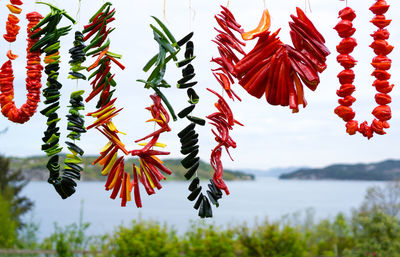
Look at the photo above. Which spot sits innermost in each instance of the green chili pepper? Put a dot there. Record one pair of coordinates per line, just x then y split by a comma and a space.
100, 10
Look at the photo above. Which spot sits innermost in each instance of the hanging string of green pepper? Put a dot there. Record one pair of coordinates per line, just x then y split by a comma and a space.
188, 136
76, 123
49, 43
168, 49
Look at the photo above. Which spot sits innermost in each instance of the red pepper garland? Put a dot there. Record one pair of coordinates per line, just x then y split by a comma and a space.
279, 70
12, 21
227, 43
381, 63
34, 70
223, 120
150, 168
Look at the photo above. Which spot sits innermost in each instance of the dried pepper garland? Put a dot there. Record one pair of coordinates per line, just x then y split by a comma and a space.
12, 21
381, 63
49, 43
168, 49
223, 120
189, 137
34, 69
227, 43
279, 70
76, 122
150, 168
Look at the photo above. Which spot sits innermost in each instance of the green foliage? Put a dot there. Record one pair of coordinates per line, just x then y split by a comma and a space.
272, 239
143, 238
8, 226
11, 184
70, 238
375, 234
209, 241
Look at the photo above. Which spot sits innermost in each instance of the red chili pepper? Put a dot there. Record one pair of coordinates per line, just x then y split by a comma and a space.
345, 112
352, 127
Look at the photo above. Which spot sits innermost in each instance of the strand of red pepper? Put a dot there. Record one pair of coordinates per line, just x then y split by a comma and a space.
381, 63
34, 69
223, 120
148, 173
279, 70
227, 44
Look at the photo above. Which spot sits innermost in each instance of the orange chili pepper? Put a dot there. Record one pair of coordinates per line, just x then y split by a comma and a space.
263, 26
14, 9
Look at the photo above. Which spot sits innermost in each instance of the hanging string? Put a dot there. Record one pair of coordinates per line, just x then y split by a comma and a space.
190, 15
78, 13
164, 10
227, 4
265, 4
309, 5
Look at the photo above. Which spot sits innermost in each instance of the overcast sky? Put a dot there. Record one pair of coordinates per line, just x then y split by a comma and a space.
272, 136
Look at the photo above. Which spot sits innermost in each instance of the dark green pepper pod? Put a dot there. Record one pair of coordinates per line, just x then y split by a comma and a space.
192, 170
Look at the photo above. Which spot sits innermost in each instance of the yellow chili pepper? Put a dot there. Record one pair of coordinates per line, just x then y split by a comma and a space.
14, 9
107, 169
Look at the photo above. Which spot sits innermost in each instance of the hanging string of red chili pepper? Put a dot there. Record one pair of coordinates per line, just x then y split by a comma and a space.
150, 168
381, 63
48, 41
102, 80
223, 119
34, 69
227, 43
279, 70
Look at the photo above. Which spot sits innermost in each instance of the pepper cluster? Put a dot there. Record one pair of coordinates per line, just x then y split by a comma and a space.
103, 79
167, 45
49, 43
227, 43
149, 173
77, 57
33, 80
189, 137
76, 123
279, 70
12, 27
223, 121
381, 63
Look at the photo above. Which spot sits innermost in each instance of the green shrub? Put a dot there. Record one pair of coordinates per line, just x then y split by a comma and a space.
272, 240
209, 241
144, 238
8, 225
375, 234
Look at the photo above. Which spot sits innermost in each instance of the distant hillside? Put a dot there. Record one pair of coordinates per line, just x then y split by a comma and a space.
273, 172
34, 168
386, 170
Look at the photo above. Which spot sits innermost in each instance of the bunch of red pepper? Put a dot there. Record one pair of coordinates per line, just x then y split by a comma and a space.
381, 63
223, 121
33, 80
279, 70
12, 21
103, 79
227, 43
149, 171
